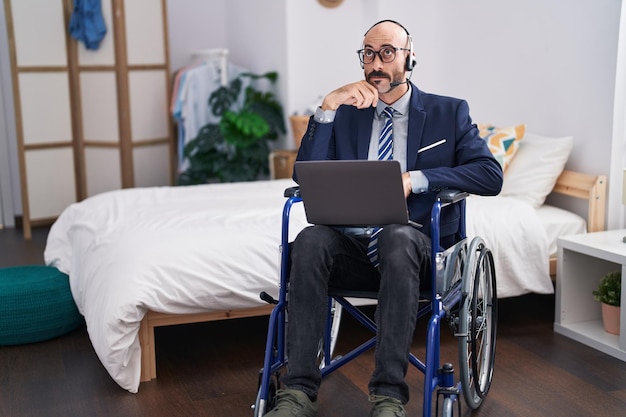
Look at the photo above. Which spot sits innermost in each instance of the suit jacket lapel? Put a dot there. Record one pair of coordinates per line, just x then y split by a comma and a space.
364, 132
417, 119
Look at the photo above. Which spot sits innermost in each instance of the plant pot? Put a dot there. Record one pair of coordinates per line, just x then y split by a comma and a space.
610, 318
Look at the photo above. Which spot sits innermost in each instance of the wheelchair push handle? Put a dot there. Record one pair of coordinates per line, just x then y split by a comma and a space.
267, 298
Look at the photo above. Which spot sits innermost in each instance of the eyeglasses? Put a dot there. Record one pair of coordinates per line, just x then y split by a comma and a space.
386, 54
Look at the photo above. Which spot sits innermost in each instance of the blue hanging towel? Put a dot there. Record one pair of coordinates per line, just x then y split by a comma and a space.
87, 24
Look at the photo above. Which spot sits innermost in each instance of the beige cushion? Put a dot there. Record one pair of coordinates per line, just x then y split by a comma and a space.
533, 172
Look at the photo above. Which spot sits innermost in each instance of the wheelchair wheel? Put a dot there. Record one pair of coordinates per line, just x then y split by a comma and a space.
477, 324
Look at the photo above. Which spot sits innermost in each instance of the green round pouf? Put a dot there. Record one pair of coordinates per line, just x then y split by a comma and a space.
36, 304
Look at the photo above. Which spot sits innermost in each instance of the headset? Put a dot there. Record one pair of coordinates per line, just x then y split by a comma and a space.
410, 59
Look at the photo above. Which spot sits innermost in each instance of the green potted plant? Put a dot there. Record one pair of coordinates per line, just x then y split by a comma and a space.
609, 293
237, 147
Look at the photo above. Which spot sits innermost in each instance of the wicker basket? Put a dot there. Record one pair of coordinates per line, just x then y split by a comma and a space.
298, 128
281, 163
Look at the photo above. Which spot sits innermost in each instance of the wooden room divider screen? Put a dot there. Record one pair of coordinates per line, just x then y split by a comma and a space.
88, 121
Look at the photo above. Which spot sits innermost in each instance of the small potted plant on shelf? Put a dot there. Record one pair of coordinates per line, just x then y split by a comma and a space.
609, 293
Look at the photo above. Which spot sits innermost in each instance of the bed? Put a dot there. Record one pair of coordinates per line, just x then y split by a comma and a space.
148, 257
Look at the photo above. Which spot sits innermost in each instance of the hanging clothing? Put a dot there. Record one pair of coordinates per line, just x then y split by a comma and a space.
87, 24
193, 85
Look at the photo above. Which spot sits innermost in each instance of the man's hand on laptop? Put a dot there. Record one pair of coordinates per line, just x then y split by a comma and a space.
406, 184
360, 94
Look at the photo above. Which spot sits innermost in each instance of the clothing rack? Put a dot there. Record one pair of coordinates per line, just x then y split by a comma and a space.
214, 54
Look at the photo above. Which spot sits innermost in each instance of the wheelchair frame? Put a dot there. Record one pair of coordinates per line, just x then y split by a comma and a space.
463, 290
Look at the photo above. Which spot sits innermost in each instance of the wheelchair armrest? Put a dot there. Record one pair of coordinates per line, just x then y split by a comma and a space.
292, 192
452, 195
446, 196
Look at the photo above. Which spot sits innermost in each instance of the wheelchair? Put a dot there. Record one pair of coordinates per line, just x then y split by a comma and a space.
463, 294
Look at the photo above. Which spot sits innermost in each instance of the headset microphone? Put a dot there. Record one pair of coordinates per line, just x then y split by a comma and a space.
397, 83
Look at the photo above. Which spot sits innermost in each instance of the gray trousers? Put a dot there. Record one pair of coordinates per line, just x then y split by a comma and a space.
322, 257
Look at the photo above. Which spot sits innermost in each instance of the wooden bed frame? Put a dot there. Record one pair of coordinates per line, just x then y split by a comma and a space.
152, 320
587, 187
570, 183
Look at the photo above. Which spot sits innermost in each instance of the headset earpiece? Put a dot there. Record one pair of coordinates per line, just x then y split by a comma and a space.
410, 59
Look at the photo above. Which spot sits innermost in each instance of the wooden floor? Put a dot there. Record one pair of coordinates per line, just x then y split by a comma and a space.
211, 369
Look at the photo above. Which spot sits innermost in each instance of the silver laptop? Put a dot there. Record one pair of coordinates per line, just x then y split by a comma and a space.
352, 193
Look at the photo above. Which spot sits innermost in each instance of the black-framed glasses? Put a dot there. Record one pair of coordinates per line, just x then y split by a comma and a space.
386, 54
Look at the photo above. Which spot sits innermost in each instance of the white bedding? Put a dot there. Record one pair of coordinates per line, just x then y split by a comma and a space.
170, 250
558, 222
215, 247
516, 237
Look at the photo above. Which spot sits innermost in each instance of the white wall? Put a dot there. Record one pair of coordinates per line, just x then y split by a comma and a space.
10, 194
616, 211
548, 63
322, 48
6, 209
194, 25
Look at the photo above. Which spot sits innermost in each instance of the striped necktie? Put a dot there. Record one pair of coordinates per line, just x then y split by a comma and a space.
385, 153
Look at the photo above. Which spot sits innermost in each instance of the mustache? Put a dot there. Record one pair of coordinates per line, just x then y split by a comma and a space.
377, 74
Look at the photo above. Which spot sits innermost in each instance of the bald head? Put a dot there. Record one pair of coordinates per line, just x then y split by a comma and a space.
387, 32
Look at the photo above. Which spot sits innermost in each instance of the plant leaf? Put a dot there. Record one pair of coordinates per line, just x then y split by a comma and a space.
243, 129
225, 97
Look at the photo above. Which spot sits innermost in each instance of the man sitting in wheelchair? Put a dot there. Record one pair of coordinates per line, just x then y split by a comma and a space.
384, 116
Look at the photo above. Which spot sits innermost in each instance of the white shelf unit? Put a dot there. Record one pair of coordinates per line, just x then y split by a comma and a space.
582, 261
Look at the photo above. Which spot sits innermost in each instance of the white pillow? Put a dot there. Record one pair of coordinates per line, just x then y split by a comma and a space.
537, 165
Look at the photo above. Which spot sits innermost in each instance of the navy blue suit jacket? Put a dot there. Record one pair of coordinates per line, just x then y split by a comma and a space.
463, 162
